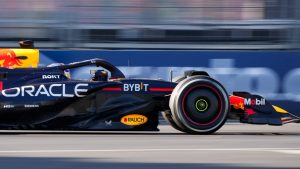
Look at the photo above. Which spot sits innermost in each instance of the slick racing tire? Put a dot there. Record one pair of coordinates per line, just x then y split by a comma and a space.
199, 105
167, 115
178, 79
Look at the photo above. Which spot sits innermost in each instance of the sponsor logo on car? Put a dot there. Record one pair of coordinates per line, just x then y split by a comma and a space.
134, 120
31, 106
255, 102
9, 58
54, 90
8, 106
237, 102
135, 87
108, 122
50, 76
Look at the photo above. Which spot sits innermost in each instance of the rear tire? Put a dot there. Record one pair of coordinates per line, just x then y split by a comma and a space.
199, 105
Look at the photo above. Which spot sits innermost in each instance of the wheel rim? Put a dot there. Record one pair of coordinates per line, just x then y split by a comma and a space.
201, 105
210, 112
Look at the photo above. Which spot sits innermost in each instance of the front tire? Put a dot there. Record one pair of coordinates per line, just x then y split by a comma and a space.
199, 105
167, 115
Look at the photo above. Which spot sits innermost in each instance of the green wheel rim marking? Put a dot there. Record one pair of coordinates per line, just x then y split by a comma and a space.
206, 105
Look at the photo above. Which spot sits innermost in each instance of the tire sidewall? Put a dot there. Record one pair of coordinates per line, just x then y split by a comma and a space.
177, 109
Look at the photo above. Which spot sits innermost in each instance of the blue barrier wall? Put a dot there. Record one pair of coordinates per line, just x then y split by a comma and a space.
274, 74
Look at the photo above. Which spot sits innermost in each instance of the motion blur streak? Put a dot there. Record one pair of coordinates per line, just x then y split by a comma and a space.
203, 24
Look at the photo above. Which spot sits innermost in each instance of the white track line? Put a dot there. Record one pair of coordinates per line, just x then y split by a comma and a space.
280, 150
294, 152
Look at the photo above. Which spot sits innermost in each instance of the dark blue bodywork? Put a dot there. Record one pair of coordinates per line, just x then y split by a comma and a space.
45, 98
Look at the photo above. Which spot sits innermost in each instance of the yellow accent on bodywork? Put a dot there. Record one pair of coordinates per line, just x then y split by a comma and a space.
279, 110
32, 60
29, 58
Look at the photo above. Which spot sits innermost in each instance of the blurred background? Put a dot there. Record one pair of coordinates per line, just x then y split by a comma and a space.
152, 24
247, 45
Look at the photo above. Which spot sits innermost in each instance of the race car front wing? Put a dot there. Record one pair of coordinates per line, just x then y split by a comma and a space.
255, 109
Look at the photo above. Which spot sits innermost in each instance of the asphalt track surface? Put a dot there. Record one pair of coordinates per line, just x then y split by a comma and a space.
234, 146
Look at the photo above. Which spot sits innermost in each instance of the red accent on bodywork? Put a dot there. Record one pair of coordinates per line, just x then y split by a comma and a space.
9, 58
237, 102
112, 89
249, 112
161, 89
1, 86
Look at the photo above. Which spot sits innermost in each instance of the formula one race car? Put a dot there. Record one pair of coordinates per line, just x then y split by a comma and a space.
47, 98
